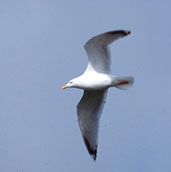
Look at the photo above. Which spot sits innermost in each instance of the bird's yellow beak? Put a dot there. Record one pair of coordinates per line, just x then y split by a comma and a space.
64, 87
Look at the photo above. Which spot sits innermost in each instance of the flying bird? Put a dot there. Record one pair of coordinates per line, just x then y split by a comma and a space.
95, 82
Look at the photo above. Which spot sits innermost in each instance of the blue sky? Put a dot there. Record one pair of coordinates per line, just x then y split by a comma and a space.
41, 48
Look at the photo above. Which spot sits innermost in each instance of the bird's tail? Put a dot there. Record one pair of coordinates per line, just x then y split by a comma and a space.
124, 83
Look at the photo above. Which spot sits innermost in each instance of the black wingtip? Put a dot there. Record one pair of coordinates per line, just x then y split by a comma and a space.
127, 32
123, 32
92, 152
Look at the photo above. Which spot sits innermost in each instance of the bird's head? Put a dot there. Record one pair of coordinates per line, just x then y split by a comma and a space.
70, 84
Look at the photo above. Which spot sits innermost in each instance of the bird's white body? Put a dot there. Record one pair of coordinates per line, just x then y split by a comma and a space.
95, 82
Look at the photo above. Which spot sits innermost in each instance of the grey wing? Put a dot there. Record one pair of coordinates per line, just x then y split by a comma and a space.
98, 51
89, 110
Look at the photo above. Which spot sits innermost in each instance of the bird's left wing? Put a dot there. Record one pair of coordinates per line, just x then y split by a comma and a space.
98, 51
89, 111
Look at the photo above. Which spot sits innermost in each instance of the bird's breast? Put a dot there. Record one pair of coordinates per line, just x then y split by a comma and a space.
96, 81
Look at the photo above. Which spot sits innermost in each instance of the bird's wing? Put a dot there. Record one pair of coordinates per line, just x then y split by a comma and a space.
99, 53
89, 111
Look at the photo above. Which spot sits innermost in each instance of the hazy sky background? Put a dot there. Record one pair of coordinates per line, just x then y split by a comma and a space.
41, 48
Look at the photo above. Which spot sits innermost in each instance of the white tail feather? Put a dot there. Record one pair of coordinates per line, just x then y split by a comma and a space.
124, 83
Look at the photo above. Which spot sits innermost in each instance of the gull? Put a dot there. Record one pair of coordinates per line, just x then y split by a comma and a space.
95, 82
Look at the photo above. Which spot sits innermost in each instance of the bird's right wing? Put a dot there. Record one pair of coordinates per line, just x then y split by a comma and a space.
89, 111
98, 51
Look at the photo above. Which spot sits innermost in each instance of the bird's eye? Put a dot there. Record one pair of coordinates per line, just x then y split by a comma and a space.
71, 82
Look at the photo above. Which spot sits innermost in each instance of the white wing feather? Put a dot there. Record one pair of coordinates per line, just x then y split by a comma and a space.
99, 53
89, 111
